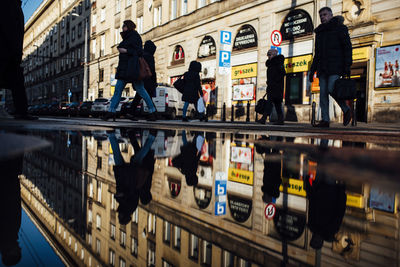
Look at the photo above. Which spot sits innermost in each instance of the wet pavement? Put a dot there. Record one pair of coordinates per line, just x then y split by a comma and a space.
202, 194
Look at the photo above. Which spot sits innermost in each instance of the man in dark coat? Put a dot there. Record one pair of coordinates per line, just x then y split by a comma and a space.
275, 83
150, 84
192, 90
332, 59
11, 73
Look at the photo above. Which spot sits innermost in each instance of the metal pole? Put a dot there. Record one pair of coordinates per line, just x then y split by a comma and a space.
313, 113
233, 113
224, 112
85, 83
248, 112
354, 120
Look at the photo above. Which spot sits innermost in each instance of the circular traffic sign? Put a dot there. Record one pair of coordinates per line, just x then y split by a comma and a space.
270, 211
276, 38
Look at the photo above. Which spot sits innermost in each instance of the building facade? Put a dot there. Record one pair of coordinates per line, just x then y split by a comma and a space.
190, 30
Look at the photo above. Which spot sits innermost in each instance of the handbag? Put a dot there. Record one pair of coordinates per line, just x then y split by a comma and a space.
144, 69
264, 106
344, 89
179, 84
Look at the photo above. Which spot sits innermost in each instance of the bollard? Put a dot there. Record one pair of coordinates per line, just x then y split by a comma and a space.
354, 119
313, 113
248, 112
223, 118
233, 113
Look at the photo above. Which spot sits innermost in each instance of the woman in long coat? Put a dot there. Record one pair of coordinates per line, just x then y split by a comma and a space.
127, 71
192, 90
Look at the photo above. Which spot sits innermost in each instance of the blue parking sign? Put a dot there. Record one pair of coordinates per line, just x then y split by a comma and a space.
226, 37
225, 59
220, 187
220, 208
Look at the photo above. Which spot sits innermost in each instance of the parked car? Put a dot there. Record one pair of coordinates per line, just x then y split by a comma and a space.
85, 108
52, 109
99, 107
73, 108
168, 102
126, 107
62, 109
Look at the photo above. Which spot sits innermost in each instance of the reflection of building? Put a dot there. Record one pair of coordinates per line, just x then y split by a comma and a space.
179, 226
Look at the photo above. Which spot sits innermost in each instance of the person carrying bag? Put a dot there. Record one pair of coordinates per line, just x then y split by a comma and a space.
192, 89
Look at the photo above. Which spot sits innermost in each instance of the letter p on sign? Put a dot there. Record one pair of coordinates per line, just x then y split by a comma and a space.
226, 37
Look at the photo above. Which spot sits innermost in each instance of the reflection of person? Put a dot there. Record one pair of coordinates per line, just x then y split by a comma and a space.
188, 160
192, 89
333, 58
11, 72
10, 201
133, 179
327, 205
129, 49
275, 83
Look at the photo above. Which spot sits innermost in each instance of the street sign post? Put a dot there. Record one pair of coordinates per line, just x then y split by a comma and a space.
276, 38
69, 95
220, 193
225, 52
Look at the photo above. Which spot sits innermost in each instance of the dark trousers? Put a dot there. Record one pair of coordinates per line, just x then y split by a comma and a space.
278, 107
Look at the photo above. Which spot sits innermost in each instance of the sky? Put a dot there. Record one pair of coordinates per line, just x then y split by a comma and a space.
29, 6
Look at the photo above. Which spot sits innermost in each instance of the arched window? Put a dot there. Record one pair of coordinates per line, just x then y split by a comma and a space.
246, 37
207, 47
178, 56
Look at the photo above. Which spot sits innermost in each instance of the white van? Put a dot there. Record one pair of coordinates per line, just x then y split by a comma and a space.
168, 102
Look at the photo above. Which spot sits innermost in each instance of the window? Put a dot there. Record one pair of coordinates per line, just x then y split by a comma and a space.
140, 25
94, 52
89, 238
98, 246
122, 237
62, 41
151, 224
117, 36
99, 190
112, 231
128, 3
55, 46
99, 163
103, 14
151, 251
194, 247
177, 237
90, 218
228, 259
80, 29
80, 8
73, 34
155, 17
122, 262
76, 247
135, 216
91, 191
113, 202
206, 253
244, 263
98, 221
167, 232
201, 3
184, 7
102, 44
174, 10
94, 20
117, 6
134, 247
63, 23
87, 4
82, 254
166, 263
101, 75
112, 258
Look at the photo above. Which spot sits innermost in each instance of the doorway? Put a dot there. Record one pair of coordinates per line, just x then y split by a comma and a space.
359, 75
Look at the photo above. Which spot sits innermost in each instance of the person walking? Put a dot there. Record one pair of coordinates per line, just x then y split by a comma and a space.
192, 90
127, 71
332, 59
275, 83
11, 73
150, 84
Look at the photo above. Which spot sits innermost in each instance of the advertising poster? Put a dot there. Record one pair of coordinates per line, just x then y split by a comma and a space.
387, 73
243, 92
241, 154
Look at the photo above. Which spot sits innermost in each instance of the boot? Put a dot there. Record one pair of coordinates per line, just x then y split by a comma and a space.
279, 121
262, 120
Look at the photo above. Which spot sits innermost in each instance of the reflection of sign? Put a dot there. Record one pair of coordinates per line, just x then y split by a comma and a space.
245, 38
243, 92
244, 71
220, 208
298, 64
293, 186
224, 59
276, 38
382, 200
241, 154
220, 193
240, 176
207, 47
289, 225
387, 72
240, 208
113, 81
270, 211
360, 53
297, 23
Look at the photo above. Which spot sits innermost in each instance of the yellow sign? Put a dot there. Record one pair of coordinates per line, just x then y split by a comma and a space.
298, 64
244, 71
361, 53
112, 89
355, 200
293, 186
240, 176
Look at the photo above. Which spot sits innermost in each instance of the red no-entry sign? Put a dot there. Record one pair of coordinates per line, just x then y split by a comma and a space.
276, 38
270, 211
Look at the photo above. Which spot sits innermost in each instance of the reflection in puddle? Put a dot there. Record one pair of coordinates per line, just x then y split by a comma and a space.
179, 198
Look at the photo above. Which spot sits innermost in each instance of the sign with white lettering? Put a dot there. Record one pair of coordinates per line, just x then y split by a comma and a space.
245, 38
297, 23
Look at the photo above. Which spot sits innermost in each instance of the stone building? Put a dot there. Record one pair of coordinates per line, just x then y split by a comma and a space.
190, 30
